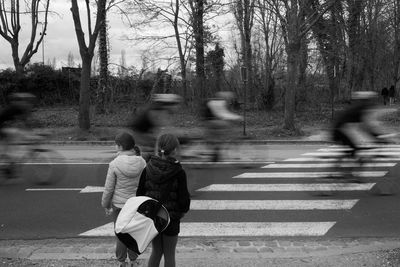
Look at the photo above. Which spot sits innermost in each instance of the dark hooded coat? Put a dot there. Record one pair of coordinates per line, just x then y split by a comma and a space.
165, 181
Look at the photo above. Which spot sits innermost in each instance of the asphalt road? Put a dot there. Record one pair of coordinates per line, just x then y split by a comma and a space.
62, 211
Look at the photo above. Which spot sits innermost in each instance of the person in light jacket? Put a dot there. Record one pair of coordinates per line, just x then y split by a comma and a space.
121, 183
164, 179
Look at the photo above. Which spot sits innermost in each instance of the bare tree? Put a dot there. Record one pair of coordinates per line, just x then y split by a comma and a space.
396, 26
70, 60
103, 92
244, 16
103, 51
10, 27
197, 8
87, 53
290, 13
167, 14
272, 44
328, 34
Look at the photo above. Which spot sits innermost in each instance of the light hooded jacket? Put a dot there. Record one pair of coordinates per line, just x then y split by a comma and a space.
122, 179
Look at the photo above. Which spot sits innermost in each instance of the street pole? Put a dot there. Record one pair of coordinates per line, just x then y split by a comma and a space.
42, 33
244, 78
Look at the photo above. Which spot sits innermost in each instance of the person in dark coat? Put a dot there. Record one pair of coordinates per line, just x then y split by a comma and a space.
391, 95
145, 124
164, 179
385, 94
356, 116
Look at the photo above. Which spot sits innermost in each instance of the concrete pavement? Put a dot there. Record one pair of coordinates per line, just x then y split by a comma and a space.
194, 251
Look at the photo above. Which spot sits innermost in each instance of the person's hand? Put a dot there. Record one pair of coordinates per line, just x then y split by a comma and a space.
108, 211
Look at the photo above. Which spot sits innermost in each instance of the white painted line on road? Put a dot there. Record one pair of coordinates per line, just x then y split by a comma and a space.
308, 174
53, 189
104, 230
225, 162
255, 229
330, 165
323, 204
348, 149
188, 229
305, 159
366, 153
92, 189
64, 163
87, 189
287, 187
369, 146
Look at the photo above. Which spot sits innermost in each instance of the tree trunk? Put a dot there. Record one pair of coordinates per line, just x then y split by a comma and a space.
355, 42
292, 74
180, 52
293, 50
102, 87
396, 74
84, 96
199, 43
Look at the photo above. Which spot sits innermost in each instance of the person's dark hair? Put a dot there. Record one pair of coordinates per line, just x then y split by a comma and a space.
127, 142
167, 143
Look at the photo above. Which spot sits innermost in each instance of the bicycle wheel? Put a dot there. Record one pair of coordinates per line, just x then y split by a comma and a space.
40, 167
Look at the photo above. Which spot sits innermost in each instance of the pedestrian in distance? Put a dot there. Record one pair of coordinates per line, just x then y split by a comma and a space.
164, 179
121, 184
391, 95
385, 95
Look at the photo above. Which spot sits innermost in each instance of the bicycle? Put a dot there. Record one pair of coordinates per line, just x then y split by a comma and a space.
344, 167
24, 155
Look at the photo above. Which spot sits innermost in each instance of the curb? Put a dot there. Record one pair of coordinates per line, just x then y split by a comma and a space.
187, 248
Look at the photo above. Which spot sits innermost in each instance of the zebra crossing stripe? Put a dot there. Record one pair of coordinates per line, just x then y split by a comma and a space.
329, 165
255, 228
336, 154
348, 149
369, 146
287, 187
305, 159
323, 204
308, 174
188, 229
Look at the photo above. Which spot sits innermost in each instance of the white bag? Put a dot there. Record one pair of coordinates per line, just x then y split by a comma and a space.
139, 221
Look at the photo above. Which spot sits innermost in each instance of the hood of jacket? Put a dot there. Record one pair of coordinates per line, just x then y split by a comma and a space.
160, 170
129, 164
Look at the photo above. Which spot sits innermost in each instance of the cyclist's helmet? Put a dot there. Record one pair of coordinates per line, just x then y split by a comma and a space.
166, 99
28, 97
363, 95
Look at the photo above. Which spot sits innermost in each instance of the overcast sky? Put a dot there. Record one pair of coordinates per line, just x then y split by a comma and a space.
61, 39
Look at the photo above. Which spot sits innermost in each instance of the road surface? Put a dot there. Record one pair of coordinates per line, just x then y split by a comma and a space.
276, 197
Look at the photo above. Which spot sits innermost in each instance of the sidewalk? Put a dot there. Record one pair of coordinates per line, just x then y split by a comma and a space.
210, 252
232, 251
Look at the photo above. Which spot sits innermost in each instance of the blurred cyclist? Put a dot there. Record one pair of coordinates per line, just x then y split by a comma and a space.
146, 123
19, 110
15, 115
217, 119
358, 116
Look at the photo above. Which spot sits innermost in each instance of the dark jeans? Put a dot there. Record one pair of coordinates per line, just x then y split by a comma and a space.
121, 251
163, 245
